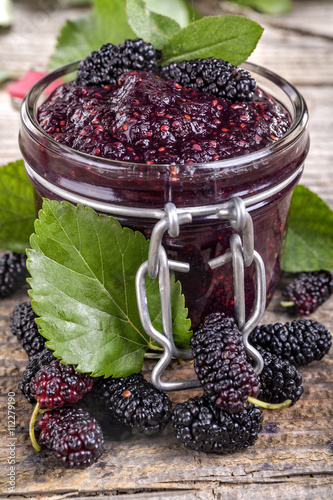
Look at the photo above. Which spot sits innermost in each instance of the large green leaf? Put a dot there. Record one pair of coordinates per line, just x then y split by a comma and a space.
152, 27
309, 243
228, 37
106, 24
83, 268
17, 208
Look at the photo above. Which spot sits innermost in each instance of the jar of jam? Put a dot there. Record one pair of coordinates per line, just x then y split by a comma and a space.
136, 193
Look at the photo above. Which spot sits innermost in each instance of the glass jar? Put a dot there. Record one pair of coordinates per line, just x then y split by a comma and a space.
114, 188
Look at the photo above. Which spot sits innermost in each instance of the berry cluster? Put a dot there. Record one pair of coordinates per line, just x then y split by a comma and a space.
213, 76
104, 67
299, 342
13, 273
221, 421
307, 292
70, 432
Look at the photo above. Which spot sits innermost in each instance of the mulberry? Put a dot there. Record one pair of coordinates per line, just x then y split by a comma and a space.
13, 273
202, 426
56, 384
309, 291
36, 362
110, 61
213, 76
299, 342
221, 365
136, 403
74, 436
23, 325
279, 380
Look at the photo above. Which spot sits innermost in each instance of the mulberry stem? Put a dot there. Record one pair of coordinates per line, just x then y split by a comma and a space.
270, 406
289, 303
37, 411
32, 428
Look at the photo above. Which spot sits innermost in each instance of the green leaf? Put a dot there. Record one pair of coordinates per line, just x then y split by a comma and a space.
111, 21
106, 24
75, 41
273, 7
228, 37
152, 27
83, 267
309, 243
17, 208
179, 10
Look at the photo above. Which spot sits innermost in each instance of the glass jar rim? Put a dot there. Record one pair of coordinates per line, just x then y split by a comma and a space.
298, 125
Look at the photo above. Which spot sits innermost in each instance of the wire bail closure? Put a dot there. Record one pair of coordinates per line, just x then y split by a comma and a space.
241, 254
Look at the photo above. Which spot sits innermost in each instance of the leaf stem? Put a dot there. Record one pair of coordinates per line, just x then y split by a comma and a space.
269, 406
155, 347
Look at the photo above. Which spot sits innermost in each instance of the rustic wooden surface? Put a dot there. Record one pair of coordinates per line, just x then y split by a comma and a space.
293, 455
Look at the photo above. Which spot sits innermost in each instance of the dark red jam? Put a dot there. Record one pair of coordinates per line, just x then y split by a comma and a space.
149, 120
165, 136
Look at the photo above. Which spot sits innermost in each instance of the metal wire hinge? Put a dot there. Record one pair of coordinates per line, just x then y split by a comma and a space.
241, 254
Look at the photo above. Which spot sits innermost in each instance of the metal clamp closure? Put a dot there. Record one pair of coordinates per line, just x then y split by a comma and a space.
170, 222
241, 254
165, 339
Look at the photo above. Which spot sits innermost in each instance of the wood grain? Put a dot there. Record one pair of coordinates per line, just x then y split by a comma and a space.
292, 458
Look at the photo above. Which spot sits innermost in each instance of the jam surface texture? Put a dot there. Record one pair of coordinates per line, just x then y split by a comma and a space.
146, 119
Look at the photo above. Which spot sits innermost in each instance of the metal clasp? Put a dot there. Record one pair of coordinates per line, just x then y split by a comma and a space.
241, 254
159, 265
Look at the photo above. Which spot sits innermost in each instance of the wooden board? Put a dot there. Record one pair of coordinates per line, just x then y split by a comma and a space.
292, 458
293, 452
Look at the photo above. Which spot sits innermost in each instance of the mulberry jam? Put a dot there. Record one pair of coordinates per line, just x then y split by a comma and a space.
105, 147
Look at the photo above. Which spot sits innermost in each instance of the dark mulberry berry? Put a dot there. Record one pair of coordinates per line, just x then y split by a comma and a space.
23, 325
279, 380
298, 342
35, 364
202, 426
74, 436
56, 384
221, 365
110, 61
309, 291
213, 76
13, 273
136, 403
